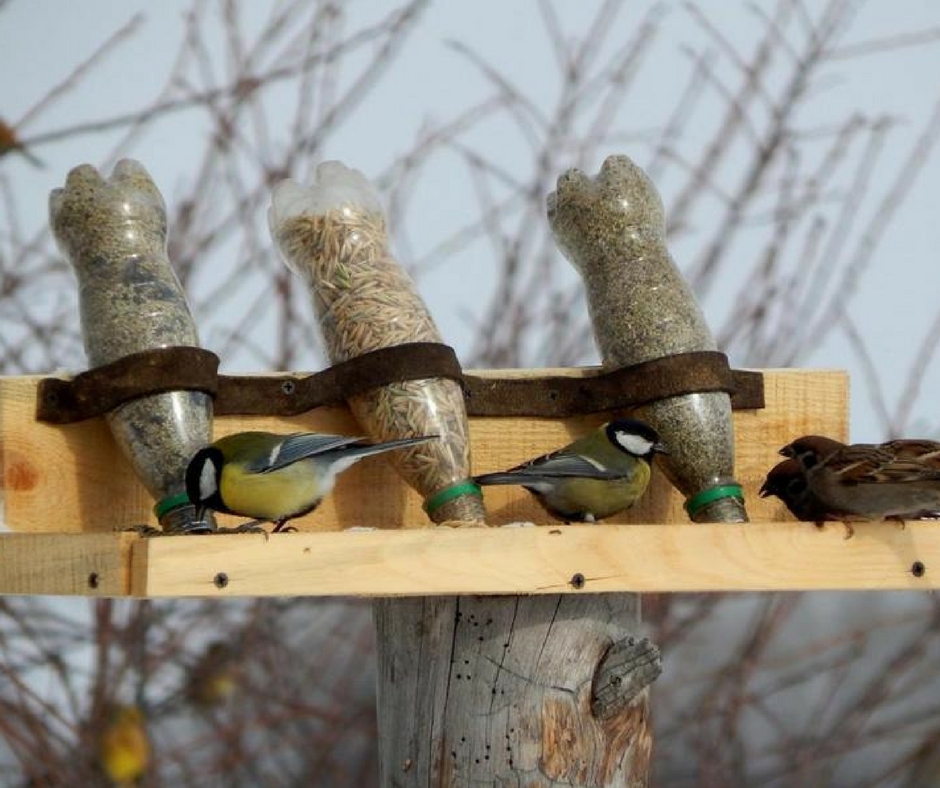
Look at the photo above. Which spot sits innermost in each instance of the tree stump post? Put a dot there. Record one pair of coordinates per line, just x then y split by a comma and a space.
513, 691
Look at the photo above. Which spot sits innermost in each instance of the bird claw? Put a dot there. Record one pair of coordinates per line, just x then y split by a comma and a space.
141, 530
849, 530
250, 527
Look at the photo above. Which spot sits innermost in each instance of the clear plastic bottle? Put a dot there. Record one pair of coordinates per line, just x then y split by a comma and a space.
612, 229
334, 235
113, 232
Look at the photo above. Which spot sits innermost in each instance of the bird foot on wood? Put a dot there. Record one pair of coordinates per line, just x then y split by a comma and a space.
849, 530
141, 530
250, 527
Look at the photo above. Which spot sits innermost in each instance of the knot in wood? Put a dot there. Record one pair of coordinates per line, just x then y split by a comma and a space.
627, 667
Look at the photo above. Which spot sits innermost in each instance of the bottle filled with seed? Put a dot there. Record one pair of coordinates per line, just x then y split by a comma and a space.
114, 231
612, 229
333, 234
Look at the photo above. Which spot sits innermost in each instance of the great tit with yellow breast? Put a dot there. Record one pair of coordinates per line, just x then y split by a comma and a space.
594, 477
275, 478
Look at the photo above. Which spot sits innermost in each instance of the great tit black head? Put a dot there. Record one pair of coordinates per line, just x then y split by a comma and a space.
634, 437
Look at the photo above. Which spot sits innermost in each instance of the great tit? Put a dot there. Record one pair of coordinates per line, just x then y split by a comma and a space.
592, 478
275, 478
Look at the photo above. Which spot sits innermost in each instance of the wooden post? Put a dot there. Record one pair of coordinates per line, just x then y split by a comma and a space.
499, 690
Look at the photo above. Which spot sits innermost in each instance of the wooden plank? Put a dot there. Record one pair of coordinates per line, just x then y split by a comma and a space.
546, 560
74, 479
65, 564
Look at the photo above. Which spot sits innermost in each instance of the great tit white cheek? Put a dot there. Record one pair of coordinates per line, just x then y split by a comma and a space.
635, 444
208, 483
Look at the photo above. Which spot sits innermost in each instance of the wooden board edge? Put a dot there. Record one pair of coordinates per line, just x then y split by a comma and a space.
95, 565
784, 556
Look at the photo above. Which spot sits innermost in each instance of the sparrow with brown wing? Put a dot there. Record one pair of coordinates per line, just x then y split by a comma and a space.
813, 449
921, 450
854, 482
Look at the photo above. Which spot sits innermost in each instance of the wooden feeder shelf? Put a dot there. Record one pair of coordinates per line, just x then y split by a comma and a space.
67, 490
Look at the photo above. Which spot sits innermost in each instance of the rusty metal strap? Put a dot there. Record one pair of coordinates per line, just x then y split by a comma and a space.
627, 387
289, 395
102, 389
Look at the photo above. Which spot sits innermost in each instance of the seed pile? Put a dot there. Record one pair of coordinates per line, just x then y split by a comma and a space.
364, 301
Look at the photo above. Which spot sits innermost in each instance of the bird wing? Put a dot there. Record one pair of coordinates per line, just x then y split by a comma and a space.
925, 451
561, 464
905, 471
300, 446
872, 465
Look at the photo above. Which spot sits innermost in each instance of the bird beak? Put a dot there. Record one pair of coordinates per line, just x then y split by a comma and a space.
659, 448
786, 451
764, 491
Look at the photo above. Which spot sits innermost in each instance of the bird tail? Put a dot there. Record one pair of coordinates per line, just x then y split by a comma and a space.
503, 477
367, 449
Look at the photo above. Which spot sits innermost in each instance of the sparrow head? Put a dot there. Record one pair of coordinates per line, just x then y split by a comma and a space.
202, 480
811, 450
635, 437
786, 480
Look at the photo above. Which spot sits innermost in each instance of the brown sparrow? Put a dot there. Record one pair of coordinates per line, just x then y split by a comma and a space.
787, 480
813, 449
855, 482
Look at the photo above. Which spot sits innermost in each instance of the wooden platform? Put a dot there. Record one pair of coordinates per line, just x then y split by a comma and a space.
781, 556
67, 489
